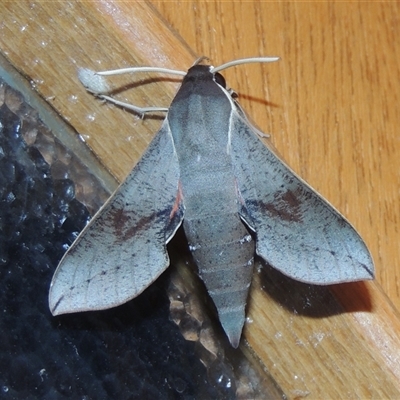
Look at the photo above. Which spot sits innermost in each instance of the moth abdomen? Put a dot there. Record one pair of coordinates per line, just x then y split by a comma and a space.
224, 257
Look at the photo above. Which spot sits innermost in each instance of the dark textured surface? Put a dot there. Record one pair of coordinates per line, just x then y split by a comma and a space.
131, 352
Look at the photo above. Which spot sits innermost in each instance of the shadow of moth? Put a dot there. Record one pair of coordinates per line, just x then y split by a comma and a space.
207, 169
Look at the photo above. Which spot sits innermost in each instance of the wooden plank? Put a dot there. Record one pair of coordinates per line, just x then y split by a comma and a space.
329, 106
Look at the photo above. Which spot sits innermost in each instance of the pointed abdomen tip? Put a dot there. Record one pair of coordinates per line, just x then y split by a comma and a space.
233, 322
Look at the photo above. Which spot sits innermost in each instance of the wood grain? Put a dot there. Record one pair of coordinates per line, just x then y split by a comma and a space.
331, 106
49, 41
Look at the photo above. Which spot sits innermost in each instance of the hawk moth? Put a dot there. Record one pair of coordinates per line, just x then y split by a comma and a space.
207, 169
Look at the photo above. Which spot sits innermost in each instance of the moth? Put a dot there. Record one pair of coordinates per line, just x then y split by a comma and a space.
208, 169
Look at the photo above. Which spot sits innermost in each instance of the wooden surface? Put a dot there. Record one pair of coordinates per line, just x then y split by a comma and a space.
331, 106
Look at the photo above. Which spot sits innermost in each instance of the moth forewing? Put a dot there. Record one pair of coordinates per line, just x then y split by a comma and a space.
123, 248
298, 232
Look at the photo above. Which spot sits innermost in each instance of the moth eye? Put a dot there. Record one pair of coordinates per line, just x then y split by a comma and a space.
220, 80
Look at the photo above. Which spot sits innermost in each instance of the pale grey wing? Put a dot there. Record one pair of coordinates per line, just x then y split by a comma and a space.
123, 248
298, 232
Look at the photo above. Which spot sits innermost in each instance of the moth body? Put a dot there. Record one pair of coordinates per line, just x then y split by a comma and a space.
211, 222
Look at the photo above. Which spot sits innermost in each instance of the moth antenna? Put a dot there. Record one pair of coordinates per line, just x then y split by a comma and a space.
133, 70
139, 110
243, 61
95, 83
